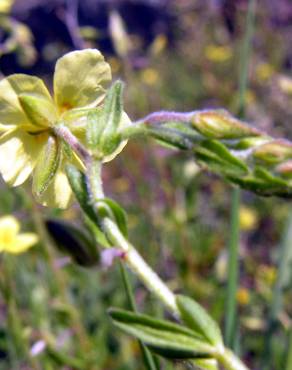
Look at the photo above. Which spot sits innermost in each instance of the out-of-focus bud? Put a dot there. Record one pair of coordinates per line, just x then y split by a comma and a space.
40, 111
73, 241
158, 45
47, 166
274, 152
119, 34
285, 169
219, 124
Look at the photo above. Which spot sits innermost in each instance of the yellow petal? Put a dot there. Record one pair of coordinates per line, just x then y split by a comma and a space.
5, 6
22, 243
9, 224
18, 154
58, 193
11, 112
80, 79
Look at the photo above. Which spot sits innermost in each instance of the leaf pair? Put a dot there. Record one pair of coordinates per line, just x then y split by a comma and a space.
200, 338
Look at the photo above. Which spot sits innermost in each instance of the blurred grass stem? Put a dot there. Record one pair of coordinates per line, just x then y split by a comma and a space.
283, 273
233, 263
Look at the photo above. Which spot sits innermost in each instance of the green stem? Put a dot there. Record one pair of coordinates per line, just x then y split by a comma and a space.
138, 265
233, 264
95, 185
289, 352
230, 361
147, 355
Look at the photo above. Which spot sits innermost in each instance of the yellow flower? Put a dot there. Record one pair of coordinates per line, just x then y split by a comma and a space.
150, 76
248, 218
28, 115
264, 71
11, 241
243, 296
219, 54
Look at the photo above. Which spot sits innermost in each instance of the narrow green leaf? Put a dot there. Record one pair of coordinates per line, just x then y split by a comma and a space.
169, 137
108, 207
78, 184
216, 156
73, 241
162, 337
47, 166
197, 319
97, 233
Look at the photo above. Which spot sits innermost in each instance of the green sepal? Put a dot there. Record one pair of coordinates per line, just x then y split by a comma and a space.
41, 112
47, 165
162, 337
74, 241
169, 137
108, 207
78, 183
197, 319
216, 156
94, 129
102, 126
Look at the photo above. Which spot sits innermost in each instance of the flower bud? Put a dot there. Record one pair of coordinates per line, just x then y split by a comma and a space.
219, 124
73, 241
274, 152
285, 169
119, 34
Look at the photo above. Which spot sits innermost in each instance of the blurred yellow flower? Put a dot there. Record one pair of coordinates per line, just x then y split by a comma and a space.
285, 84
264, 71
248, 218
250, 97
11, 241
219, 54
150, 76
267, 274
243, 296
28, 116
5, 6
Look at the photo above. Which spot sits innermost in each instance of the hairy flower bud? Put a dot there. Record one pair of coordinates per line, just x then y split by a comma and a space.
274, 152
285, 169
219, 124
